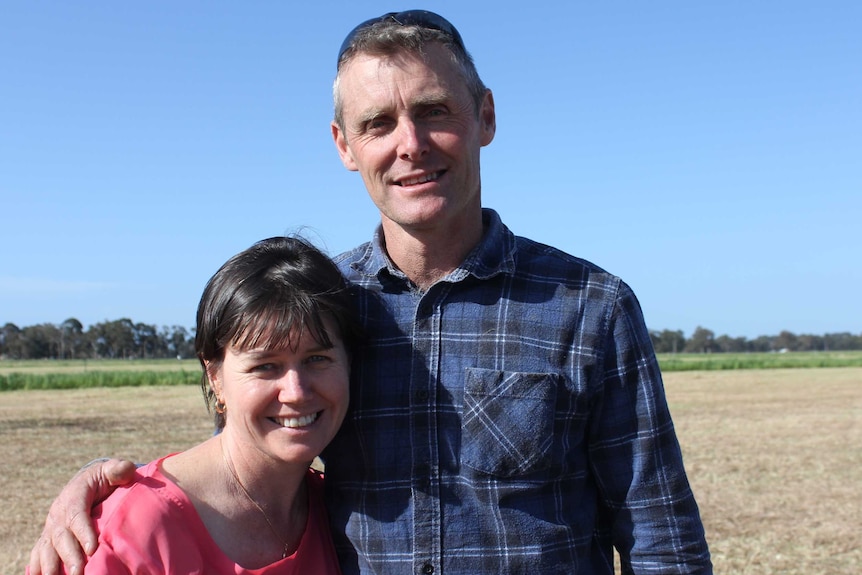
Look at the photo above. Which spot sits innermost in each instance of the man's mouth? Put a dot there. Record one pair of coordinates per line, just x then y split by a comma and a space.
420, 179
296, 422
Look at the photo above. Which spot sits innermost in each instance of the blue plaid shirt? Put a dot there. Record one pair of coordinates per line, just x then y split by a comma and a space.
510, 419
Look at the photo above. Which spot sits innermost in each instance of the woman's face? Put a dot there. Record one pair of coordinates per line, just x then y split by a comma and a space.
286, 403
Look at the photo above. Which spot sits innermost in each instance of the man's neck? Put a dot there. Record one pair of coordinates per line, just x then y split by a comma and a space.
428, 256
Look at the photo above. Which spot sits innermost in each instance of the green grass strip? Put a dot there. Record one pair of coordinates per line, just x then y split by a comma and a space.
723, 361
24, 381
64, 377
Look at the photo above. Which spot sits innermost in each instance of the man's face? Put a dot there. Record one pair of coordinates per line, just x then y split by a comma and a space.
411, 130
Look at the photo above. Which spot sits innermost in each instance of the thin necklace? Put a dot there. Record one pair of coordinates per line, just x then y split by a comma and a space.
286, 549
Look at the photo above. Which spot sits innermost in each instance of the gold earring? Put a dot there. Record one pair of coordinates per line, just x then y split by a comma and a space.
220, 407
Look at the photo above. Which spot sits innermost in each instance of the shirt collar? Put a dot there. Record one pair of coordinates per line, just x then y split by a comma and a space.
494, 254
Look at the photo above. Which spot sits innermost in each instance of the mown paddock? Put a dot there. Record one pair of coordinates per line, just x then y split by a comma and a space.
773, 455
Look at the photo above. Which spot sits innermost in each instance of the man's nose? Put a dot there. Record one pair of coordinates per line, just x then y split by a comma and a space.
412, 140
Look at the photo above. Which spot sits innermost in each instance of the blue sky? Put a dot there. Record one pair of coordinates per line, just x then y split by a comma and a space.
709, 153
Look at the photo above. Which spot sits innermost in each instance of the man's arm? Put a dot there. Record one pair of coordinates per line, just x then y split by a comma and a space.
68, 533
636, 457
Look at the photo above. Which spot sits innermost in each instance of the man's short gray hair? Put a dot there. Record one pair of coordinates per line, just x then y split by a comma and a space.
388, 38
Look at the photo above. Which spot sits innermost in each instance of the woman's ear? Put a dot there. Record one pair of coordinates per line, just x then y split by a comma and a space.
213, 376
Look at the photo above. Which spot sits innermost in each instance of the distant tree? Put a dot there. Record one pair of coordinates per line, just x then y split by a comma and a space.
762, 343
842, 341
147, 341
808, 342
72, 338
785, 341
727, 344
668, 341
10, 342
701, 341
114, 339
177, 341
41, 341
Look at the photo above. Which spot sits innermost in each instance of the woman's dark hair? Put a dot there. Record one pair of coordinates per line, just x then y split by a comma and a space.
266, 297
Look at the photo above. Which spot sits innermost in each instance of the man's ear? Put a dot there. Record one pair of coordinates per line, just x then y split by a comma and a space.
488, 119
343, 149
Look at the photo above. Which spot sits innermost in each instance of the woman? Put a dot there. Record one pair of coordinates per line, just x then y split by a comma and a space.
273, 332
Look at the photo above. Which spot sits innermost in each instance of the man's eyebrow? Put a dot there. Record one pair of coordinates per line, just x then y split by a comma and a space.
431, 99
368, 115
421, 101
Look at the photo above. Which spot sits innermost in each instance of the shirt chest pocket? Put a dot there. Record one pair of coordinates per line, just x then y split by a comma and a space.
508, 421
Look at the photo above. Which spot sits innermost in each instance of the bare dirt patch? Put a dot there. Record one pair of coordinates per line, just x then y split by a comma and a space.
774, 458
46, 436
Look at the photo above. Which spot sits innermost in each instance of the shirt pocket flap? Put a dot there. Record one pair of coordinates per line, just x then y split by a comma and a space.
508, 421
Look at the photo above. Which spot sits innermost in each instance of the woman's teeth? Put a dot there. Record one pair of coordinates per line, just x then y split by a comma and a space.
294, 422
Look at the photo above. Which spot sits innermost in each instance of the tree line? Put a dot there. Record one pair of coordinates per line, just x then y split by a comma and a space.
118, 339
705, 341
125, 339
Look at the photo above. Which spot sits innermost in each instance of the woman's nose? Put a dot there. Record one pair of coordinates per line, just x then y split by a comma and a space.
294, 386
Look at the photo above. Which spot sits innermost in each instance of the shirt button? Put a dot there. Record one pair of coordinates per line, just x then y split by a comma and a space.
422, 395
428, 569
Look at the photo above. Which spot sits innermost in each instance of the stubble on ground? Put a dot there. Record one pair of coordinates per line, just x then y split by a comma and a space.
773, 457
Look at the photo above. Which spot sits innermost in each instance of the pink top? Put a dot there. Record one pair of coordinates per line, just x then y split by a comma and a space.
152, 527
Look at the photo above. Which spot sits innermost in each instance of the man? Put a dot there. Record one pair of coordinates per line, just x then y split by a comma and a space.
507, 413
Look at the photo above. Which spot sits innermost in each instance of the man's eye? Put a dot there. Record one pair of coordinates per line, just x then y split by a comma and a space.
435, 112
317, 358
377, 125
264, 367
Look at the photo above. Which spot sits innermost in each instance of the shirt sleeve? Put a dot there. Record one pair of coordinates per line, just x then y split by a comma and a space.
636, 459
105, 560
142, 530
122, 520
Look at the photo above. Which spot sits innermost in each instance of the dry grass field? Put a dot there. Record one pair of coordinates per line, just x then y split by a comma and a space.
774, 456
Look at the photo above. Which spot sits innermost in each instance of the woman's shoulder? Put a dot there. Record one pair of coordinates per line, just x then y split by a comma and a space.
145, 496
147, 525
